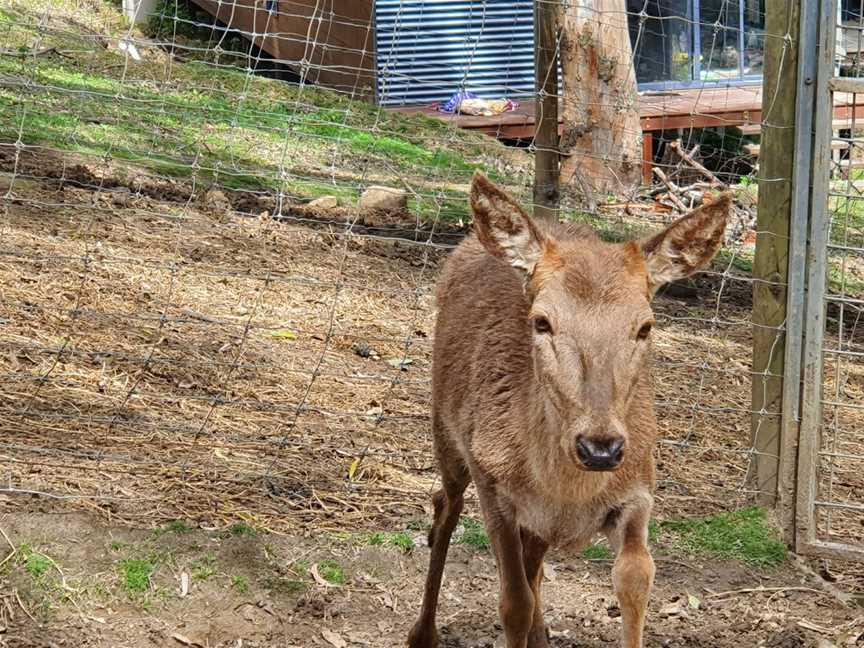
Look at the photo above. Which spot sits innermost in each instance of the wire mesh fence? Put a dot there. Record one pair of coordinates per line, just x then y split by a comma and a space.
212, 309
830, 507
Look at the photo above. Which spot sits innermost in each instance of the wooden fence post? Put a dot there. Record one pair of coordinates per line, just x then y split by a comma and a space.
546, 157
777, 164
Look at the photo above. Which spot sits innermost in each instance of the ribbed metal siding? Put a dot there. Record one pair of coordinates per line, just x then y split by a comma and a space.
429, 49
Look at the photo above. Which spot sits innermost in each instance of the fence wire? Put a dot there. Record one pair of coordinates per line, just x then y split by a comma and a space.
201, 320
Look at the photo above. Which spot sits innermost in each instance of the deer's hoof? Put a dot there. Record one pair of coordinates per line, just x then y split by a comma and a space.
422, 636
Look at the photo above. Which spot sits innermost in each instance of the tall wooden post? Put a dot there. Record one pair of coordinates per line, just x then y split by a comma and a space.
546, 157
777, 200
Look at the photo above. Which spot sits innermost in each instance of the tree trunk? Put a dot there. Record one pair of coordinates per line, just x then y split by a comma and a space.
602, 137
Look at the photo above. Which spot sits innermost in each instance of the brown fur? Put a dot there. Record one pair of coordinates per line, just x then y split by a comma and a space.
510, 405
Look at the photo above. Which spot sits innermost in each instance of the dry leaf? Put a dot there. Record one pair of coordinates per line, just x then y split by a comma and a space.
334, 639
186, 641
352, 469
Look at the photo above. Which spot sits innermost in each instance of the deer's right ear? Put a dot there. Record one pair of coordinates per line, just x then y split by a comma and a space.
503, 227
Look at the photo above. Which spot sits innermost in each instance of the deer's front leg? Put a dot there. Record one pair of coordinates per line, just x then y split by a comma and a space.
516, 602
633, 572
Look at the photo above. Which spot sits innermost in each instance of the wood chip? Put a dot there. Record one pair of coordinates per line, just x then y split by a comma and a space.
333, 639
186, 641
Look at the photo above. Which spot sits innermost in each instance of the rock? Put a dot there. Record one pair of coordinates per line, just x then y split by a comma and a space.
216, 201
384, 199
325, 202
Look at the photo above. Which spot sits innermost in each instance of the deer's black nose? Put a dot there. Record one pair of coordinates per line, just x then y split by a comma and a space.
600, 454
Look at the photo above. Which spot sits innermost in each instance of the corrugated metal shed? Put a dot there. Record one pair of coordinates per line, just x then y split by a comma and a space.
428, 49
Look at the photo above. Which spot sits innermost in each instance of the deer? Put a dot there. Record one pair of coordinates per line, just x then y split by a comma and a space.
542, 397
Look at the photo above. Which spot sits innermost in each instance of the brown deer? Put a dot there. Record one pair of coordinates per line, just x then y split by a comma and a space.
542, 396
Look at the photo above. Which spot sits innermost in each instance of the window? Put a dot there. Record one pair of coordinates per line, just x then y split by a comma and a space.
682, 42
662, 39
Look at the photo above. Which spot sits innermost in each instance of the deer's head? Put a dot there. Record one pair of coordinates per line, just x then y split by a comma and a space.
590, 315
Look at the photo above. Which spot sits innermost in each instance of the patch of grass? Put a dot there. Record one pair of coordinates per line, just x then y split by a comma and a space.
300, 567
391, 539
744, 535
204, 567
241, 529
199, 122
596, 552
654, 529
118, 545
332, 572
37, 564
726, 258
135, 574
240, 583
472, 532
177, 526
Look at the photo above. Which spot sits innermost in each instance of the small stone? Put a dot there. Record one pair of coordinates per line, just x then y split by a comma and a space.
362, 349
215, 199
325, 202
384, 199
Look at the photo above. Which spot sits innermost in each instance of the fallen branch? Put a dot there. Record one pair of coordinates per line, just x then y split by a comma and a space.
24, 607
12, 546
21, 53
672, 187
756, 590
689, 159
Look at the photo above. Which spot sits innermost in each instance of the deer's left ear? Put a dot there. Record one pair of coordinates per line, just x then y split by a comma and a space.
688, 244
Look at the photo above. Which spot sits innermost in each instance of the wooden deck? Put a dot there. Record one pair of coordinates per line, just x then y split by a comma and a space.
660, 110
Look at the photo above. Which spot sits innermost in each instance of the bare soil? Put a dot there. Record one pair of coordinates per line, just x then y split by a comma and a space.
380, 597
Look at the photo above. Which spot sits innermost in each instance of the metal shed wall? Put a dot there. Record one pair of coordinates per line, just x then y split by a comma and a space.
429, 49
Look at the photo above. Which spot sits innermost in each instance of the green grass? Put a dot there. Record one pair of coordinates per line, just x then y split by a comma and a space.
135, 574
398, 539
241, 530
36, 564
332, 572
301, 567
744, 535
472, 532
217, 124
654, 530
178, 527
203, 568
597, 552
240, 583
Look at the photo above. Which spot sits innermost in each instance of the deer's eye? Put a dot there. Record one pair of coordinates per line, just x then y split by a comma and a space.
542, 325
644, 331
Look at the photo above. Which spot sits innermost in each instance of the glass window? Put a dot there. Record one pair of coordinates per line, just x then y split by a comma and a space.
662, 41
719, 39
754, 36
686, 41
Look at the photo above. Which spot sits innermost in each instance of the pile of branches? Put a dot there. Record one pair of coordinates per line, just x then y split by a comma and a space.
670, 197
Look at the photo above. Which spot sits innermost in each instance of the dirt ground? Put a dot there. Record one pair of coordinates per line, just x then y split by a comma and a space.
174, 353
696, 603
